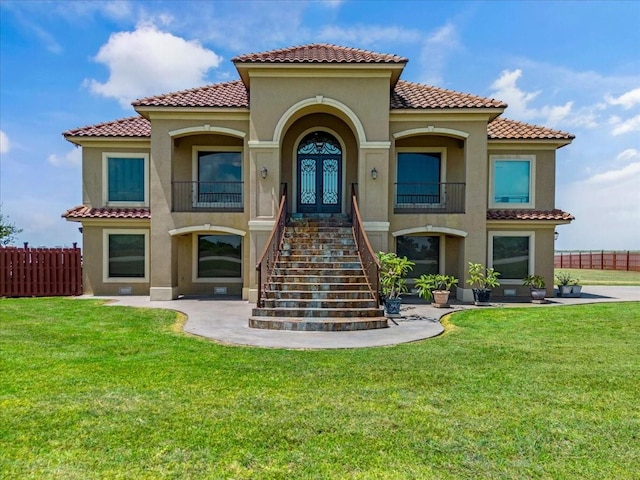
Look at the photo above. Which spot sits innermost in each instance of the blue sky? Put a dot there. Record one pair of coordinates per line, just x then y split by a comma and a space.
574, 66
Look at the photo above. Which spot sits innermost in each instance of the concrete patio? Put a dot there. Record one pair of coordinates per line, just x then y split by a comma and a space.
226, 320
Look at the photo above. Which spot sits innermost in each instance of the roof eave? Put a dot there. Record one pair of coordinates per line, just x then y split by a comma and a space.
554, 142
396, 68
147, 110
85, 140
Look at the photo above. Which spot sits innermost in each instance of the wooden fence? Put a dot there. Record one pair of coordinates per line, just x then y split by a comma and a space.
40, 272
599, 260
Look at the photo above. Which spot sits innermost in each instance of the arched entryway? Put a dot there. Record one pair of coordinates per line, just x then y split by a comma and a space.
319, 174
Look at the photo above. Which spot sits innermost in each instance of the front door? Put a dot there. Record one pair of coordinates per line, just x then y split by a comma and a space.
319, 165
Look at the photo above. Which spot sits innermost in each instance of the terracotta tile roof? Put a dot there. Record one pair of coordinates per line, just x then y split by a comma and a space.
407, 95
318, 53
556, 215
504, 129
126, 127
228, 94
83, 211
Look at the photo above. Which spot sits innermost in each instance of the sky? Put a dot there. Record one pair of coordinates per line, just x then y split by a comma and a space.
568, 65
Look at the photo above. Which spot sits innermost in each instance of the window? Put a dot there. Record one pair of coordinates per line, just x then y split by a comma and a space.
219, 256
423, 250
419, 177
218, 174
512, 180
126, 178
125, 256
511, 254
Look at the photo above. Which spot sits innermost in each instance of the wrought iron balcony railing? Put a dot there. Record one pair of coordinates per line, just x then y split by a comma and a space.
429, 198
207, 196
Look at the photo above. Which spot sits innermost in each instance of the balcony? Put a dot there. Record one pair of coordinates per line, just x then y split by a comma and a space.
207, 196
429, 198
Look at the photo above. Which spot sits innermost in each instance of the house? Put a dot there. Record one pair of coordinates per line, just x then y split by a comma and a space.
182, 197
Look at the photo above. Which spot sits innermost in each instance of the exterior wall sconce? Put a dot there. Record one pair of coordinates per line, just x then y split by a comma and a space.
374, 173
263, 172
555, 235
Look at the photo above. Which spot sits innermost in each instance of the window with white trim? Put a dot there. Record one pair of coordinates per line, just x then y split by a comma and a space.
420, 176
126, 179
512, 181
217, 173
125, 255
423, 250
512, 254
219, 257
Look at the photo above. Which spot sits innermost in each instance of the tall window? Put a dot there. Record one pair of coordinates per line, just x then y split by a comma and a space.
423, 250
125, 179
125, 255
512, 181
512, 254
419, 177
219, 256
219, 177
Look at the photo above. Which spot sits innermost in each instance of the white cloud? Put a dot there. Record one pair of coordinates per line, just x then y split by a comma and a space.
435, 52
72, 158
607, 209
506, 89
148, 62
626, 100
4, 142
624, 126
628, 155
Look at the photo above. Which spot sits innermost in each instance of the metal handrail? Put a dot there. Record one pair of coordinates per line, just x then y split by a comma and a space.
271, 250
369, 260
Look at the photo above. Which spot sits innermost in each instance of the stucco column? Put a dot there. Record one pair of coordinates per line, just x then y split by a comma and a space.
476, 193
373, 193
163, 249
264, 199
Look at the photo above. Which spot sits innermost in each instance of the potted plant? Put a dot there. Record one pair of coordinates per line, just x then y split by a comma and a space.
393, 270
567, 285
482, 280
537, 285
436, 287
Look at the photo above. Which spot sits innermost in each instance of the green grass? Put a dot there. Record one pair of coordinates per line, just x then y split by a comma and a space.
93, 392
604, 277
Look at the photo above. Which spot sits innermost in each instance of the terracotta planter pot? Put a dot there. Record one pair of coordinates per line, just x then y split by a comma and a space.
441, 298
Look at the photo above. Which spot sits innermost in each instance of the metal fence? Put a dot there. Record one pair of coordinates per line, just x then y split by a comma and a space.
40, 272
599, 260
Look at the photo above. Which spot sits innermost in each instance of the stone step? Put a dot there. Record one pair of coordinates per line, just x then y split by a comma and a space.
311, 303
320, 265
318, 312
317, 287
305, 324
363, 294
315, 242
317, 272
286, 278
326, 256
317, 252
318, 230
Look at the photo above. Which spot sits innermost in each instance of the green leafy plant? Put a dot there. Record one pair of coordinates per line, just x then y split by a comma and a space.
481, 277
564, 278
534, 281
434, 282
393, 270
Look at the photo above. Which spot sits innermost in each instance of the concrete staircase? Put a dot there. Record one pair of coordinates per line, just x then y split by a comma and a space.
318, 283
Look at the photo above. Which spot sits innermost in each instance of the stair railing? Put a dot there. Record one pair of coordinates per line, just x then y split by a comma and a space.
269, 255
370, 262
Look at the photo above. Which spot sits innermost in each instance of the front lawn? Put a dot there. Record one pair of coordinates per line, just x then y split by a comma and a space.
98, 392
